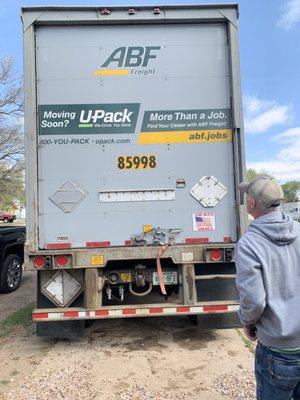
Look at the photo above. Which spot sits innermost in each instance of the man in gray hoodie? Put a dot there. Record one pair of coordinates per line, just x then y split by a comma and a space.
267, 259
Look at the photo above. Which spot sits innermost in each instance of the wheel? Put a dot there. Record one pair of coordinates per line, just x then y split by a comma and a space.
5, 220
11, 220
10, 273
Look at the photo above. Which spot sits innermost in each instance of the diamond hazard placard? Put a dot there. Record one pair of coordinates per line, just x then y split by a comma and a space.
204, 221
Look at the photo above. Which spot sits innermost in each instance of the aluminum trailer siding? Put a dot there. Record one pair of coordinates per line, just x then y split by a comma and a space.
134, 149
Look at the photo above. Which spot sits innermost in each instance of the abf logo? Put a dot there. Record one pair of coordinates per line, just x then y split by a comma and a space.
127, 60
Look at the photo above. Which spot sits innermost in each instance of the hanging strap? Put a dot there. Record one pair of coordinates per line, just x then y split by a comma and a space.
161, 251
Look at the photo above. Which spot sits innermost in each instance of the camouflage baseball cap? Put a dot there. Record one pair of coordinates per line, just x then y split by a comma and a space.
264, 189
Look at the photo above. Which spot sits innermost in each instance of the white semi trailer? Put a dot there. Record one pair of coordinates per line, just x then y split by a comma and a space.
134, 150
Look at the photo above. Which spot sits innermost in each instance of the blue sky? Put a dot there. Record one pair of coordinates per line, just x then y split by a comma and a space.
270, 56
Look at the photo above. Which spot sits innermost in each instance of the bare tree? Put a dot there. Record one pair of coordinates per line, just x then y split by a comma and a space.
11, 91
11, 133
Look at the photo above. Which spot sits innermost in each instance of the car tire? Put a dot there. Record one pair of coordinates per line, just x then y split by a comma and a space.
5, 220
11, 220
10, 274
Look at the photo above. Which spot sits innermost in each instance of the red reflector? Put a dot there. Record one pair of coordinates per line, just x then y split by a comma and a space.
227, 239
216, 255
101, 313
93, 244
128, 242
71, 314
183, 309
156, 310
39, 261
128, 311
36, 316
196, 240
58, 246
97, 244
61, 261
215, 308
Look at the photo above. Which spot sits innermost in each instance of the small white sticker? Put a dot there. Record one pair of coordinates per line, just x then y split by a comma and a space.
204, 221
186, 257
62, 238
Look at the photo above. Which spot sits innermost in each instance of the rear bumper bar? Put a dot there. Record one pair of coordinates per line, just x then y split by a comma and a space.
83, 258
55, 314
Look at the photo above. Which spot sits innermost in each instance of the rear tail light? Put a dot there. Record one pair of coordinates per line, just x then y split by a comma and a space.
39, 261
61, 261
216, 255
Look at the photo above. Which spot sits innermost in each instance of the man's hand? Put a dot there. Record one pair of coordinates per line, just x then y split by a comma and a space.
250, 332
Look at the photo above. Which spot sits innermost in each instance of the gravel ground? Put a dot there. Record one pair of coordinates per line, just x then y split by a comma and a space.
64, 384
76, 383
130, 359
142, 393
237, 385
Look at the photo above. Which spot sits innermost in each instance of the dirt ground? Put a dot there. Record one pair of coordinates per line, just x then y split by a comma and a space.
11, 302
119, 356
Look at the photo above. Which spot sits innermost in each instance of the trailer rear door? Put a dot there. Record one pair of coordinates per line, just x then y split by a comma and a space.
134, 129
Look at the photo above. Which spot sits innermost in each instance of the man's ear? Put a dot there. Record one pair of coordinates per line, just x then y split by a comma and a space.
252, 202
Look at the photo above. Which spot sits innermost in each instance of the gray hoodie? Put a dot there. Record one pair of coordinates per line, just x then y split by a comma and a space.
267, 260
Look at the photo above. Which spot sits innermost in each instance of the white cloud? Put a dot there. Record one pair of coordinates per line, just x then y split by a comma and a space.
262, 115
281, 170
285, 165
253, 104
290, 139
290, 14
289, 134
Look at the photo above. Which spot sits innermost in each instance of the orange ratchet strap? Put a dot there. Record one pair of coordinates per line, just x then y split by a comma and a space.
161, 251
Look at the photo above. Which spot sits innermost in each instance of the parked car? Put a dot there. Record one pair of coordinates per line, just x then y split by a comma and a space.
7, 217
293, 209
11, 257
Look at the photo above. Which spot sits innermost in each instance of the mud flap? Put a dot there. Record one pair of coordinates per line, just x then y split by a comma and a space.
216, 321
60, 330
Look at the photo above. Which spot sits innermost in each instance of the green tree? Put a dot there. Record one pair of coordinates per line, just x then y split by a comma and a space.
290, 191
252, 173
11, 136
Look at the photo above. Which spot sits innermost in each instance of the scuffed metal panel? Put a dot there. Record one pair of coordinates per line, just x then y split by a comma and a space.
30, 142
70, 15
68, 196
188, 282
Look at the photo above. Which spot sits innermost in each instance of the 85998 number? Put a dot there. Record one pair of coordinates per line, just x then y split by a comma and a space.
136, 162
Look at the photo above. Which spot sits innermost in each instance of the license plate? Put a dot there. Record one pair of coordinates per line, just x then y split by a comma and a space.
170, 278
